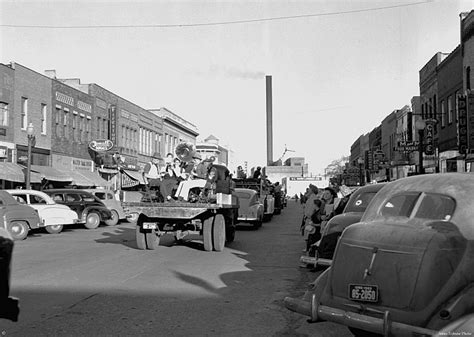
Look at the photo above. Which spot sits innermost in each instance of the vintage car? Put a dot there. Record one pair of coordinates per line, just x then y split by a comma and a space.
114, 205
352, 213
264, 193
250, 208
407, 267
53, 216
16, 218
9, 308
90, 210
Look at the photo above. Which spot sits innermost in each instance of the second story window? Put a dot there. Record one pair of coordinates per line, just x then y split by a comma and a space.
58, 120
450, 109
44, 114
443, 113
3, 114
24, 113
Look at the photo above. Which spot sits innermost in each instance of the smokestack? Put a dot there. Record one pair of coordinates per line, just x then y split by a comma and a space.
269, 121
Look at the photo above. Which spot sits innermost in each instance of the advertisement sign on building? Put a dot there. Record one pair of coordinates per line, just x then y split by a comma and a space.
429, 137
113, 124
462, 124
470, 121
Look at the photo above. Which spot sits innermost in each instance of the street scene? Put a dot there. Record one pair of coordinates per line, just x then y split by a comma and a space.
237, 168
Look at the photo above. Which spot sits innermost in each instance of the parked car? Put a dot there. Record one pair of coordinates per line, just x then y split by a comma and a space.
114, 205
264, 192
16, 218
8, 305
407, 267
53, 216
90, 210
352, 213
250, 208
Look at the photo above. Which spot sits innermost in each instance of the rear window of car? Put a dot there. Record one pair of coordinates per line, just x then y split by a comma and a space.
431, 206
359, 203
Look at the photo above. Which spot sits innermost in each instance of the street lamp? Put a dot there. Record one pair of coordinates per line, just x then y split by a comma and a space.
360, 161
31, 139
420, 125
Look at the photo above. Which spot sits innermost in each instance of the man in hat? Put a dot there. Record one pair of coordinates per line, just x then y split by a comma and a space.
152, 176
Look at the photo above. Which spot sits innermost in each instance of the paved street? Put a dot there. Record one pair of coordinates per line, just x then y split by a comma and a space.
96, 283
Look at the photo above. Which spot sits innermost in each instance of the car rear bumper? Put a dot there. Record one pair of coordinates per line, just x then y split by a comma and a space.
244, 218
383, 325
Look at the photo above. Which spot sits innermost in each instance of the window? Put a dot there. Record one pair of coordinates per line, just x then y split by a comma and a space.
24, 113
65, 133
468, 78
360, 202
3, 114
87, 197
443, 113
457, 94
58, 197
57, 120
44, 112
99, 127
450, 109
436, 207
72, 198
74, 127
36, 199
400, 205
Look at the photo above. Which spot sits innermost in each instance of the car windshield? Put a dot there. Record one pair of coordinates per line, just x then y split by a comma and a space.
359, 202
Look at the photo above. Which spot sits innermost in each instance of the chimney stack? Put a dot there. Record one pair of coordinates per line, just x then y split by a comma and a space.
269, 120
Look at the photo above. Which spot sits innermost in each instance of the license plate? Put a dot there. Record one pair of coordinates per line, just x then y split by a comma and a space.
149, 225
363, 292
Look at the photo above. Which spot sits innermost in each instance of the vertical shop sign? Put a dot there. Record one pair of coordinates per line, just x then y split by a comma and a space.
429, 137
462, 124
470, 123
113, 123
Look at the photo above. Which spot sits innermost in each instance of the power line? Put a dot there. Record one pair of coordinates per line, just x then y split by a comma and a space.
291, 17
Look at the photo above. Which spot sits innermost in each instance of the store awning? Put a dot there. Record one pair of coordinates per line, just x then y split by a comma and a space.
11, 172
89, 179
135, 175
50, 173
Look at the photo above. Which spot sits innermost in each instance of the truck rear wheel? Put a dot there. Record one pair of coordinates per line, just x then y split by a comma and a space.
207, 233
218, 233
152, 240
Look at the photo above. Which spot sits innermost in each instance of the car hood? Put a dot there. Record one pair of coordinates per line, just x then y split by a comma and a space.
409, 261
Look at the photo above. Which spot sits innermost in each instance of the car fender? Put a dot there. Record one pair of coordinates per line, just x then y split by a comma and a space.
103, 212
458, 306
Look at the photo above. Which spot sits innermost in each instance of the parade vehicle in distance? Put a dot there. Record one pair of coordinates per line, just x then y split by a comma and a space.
264, 191
212, 216
90, 210
250, 208
406, 267
16, 218
53, 216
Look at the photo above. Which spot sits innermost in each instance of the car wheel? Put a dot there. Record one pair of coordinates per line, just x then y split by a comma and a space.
18, 230
152, 240
133, 217
92, 220
54, 229
113, 220
207, 233
218, 233
140, 237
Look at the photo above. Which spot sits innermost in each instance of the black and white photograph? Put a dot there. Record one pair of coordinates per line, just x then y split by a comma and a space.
237, 168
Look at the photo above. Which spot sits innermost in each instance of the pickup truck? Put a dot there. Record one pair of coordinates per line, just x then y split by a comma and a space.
213, 219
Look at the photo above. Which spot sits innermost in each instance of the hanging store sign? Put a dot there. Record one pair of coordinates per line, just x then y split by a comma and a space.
101, 145
462, 124
113, 123
429, 137
470, 122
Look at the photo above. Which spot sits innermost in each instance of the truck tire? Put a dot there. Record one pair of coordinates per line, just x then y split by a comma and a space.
218, 233
54, 229
92, 220
207, 234
113, 220
18, 230
152, 240
140, 237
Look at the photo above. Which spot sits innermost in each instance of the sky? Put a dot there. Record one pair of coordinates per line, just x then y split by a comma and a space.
338, 68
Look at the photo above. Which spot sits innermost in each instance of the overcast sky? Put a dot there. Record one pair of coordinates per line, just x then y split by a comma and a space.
338, 67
